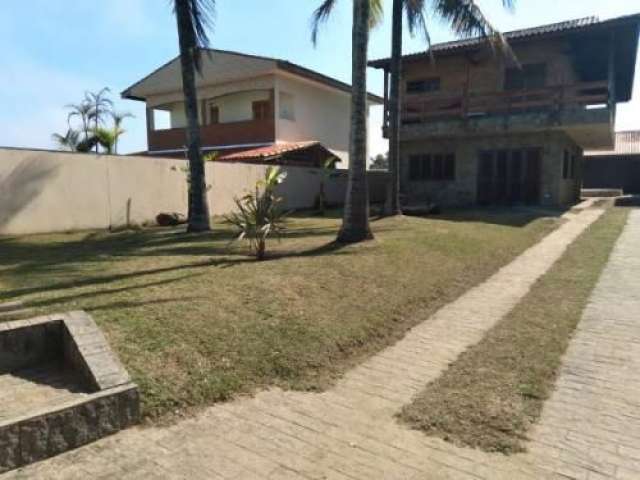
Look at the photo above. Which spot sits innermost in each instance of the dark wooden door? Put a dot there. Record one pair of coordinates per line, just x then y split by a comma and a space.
485, 178
509, 177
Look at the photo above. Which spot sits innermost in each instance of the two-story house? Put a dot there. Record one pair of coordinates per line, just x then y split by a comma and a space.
258, 106
481, 128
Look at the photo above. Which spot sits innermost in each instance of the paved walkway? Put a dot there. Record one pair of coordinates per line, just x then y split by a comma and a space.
588, 429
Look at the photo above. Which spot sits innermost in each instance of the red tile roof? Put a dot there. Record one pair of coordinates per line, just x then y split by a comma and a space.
269, 151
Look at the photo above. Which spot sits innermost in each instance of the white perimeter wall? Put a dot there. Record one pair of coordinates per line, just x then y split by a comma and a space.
42, 191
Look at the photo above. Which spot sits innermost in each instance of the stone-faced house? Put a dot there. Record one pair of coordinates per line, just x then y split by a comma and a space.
479, 128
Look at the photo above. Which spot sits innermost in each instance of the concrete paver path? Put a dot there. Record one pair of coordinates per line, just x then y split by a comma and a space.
590, 428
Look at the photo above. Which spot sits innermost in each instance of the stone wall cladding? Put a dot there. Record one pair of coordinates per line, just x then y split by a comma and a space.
26, 343
462, 192
36, 438
113, 405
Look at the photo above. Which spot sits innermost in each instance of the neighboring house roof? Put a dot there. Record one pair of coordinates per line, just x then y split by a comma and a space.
221, 66
626, 27
310, 152
626, 143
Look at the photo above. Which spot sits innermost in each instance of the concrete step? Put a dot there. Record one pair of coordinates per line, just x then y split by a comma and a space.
601, 192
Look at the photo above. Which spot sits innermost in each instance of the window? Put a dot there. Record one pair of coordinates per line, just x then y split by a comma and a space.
159, 119
529, 77
423, 85
261, 109
214, 114
439, 167
287, 111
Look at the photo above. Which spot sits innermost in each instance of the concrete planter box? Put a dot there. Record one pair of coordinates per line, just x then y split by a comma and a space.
61, 387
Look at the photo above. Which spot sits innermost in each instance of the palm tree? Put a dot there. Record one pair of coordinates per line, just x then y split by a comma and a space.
69, 141
355, 221
118, 118
83, 111
466, 20
193, 17
106, 138
101, 105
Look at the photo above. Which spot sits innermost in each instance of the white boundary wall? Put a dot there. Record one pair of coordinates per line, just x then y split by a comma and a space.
44, 191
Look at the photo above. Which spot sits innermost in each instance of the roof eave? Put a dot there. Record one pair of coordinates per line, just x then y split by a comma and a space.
464, 48
321, 78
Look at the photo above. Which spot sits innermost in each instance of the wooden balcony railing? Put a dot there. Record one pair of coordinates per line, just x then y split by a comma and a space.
236, 133
418, 108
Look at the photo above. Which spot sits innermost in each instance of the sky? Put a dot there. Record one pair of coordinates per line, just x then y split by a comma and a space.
55, 50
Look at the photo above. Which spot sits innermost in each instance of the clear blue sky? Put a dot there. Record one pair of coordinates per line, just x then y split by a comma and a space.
54, 50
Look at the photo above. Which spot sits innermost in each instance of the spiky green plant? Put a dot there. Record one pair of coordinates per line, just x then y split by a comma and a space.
259, 213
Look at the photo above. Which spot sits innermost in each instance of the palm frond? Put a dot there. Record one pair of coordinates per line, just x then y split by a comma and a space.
323, 12
201, 15
118, 117
81, 110
376, 13
106, 138
415, 12
68, 141
467, 20
509, 4
320, 16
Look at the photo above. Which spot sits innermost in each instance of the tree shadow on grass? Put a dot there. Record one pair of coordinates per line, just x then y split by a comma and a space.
505, 216
108, 279
122, 305
331, 248
107, 291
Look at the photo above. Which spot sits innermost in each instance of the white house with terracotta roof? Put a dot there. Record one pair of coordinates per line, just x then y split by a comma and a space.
249, 103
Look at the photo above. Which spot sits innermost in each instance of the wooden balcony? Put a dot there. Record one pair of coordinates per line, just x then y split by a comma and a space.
220, 134
422, 108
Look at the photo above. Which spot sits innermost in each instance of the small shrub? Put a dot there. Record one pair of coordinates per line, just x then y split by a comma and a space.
259, 214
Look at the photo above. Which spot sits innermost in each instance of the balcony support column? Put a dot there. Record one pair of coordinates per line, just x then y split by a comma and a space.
150, 123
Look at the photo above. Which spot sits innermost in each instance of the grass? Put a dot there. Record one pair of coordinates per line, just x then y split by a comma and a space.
196, 323
494, 392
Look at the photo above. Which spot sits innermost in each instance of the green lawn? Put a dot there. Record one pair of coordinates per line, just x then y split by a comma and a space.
195, 322
494, 392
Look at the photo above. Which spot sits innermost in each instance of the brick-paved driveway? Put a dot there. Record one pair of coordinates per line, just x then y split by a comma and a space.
590, 428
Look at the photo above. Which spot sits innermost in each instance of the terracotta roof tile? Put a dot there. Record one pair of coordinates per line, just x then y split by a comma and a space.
269, 151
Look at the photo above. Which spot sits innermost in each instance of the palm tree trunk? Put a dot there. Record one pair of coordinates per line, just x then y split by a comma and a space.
198, 206
95, 125
394, 107
355, 222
